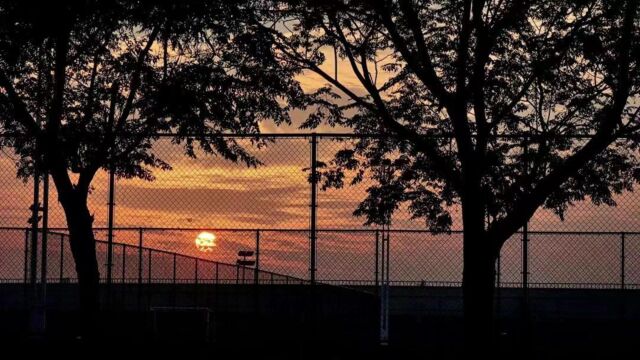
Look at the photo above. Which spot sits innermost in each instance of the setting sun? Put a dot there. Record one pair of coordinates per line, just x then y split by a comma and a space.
205, 241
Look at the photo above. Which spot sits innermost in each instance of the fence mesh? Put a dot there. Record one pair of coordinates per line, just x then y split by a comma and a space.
265, 210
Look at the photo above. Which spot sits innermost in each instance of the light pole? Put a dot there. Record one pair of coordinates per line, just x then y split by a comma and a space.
244, 261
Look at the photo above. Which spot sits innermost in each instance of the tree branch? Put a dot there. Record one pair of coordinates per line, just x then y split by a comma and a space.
20, 111
463, 51
89, 111
456, 106
420, 63
135, 79
59, 83
609, 119
481, 55
446, 168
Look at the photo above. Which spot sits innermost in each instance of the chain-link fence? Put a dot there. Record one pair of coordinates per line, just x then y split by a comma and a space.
265, 212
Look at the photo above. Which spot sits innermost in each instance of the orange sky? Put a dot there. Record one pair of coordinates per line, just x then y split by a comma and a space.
212, 193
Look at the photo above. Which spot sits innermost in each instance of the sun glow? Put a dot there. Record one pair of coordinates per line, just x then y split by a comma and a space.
205, 241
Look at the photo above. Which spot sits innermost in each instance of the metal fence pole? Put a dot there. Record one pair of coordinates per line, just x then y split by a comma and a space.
237, 274
195, 291
139, 268
525, 261
140, 256
149, 268
124, 262
314, 205
26, 256
196, 271
174, 268
244, 276
377, 259
498, 270
384, 290
256, 275
110, 220
25, 274
61, 257
35, 315
45, 248
525, 239
622, 260
498, 281
525, 279
35, 207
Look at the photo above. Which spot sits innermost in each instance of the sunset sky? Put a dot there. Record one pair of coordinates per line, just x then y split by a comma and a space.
211, 193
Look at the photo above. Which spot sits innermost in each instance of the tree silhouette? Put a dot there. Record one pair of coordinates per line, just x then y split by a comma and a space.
497, 107
87, 85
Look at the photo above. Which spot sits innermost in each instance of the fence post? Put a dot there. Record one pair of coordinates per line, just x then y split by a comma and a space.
196, 272
196, 293
622, 260
124, 262
139, 269
174, 268
149, 268
110, 220
525, 261
26, 256
384, 290
237, 274
35, 207
174, 287
377, 259
498, 270
36, 318
45, 249
140, 256
314, 205
525, 285
525, 238
61, 257
498, 289
256, 275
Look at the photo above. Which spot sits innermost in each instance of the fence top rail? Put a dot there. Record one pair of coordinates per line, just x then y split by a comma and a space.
207, 261
195, 258
59, 230
171, 253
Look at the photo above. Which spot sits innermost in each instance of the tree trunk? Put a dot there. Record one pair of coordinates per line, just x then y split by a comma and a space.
478, 285
83, 249
478, 278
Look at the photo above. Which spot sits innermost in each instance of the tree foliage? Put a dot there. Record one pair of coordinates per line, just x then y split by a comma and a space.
88, 85
92, 82
535, 101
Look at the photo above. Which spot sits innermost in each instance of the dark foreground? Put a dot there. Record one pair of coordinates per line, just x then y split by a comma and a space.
295, 322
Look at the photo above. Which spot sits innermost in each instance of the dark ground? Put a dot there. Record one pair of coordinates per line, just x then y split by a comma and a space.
339, 324
432, 338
